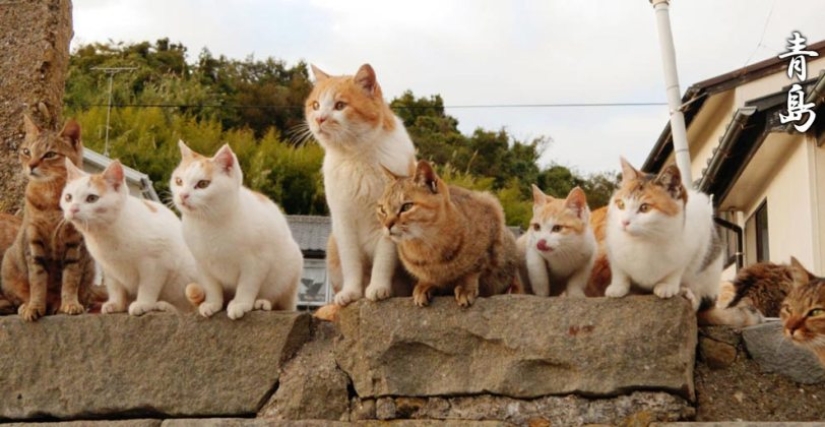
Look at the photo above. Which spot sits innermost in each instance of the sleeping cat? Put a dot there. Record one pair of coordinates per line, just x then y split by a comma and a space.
48, 268
359, 133
451, 239
756, 292
138, 243
559, 249
803, 314
240, 239
661, 237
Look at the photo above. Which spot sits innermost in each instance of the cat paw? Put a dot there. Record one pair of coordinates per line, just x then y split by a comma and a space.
421, 297
110, 307
615, 291
235, 310
31, 312
347, 296
207, 309
378, 292
262, 304
140, 308
464, 297
72, 308
690, 296
666, 290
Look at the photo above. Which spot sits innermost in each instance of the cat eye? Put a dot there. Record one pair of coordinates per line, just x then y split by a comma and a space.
620, 204
644, 208
315, 105
816, 312
406, 206
340, 105
202, 184
26, 152
49, 155
178, 182
537, 227
91, 198
68, 197
556, 228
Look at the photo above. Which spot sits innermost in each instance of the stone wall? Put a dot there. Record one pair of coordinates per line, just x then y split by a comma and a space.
510, 360
34, 47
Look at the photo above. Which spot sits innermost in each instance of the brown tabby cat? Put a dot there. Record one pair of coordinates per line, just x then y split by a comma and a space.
756, 292
449, 238
47, 268
803, 313
9, 227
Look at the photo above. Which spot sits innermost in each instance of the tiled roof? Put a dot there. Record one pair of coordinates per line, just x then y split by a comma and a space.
311, 232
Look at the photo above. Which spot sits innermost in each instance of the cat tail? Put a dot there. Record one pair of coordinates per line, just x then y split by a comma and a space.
195, 294
737, 316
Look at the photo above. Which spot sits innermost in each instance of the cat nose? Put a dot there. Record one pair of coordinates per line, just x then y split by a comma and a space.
625, 223
321, 119
74, 209
184, 196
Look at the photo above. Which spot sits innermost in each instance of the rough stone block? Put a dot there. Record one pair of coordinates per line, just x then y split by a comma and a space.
519, 346
160, 364
774, 353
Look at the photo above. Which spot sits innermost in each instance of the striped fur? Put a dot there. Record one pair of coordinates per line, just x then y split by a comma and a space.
803, 313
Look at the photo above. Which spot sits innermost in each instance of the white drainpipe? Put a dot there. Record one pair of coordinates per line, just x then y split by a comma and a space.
674, 95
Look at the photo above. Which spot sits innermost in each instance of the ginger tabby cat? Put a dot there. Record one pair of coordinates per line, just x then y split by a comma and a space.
449, 238
47, 269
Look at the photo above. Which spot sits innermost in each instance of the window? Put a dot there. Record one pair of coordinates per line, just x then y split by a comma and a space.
761, 222
314, 289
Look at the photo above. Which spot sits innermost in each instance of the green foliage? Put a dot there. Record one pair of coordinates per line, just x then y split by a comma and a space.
251, 104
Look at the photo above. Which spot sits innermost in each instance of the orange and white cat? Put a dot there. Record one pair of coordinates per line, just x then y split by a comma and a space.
360, 134
137, 243
560, 248
661, 237
240, 239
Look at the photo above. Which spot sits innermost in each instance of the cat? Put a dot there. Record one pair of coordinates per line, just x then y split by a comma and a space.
449, 238
48, 269
559, 250
661, 237
359, 133
240, 239
9, 227
138, 243
803, 313
755, 293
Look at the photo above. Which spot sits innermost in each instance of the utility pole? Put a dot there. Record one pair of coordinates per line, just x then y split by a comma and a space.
110, 71
674, 94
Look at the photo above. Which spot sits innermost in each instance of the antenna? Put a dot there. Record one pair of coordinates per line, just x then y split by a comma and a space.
110, 71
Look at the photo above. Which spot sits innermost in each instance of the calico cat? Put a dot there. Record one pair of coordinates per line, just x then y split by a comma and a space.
240, 239
138, 243
9, 227
348, 116
559, 249
661, 237
48, 269
756, 292
449, 238
803, 314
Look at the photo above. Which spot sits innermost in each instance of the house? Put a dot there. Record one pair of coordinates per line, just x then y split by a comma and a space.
767, 179
312, 232
139, 183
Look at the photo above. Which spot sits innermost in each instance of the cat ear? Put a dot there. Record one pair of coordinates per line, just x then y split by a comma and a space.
671, 179
801, 275
628, 171
71, 130
577, 202
319, 75
72, 171
225, 159
113, 174
31, 129
426, 176
185, 151
365, 77
539, 198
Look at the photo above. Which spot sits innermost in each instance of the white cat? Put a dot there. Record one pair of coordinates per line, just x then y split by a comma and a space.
137, 243
359, 133
661, 236
240, 239
559, 249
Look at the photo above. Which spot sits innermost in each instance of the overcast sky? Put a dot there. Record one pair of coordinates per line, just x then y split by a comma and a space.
488, 53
